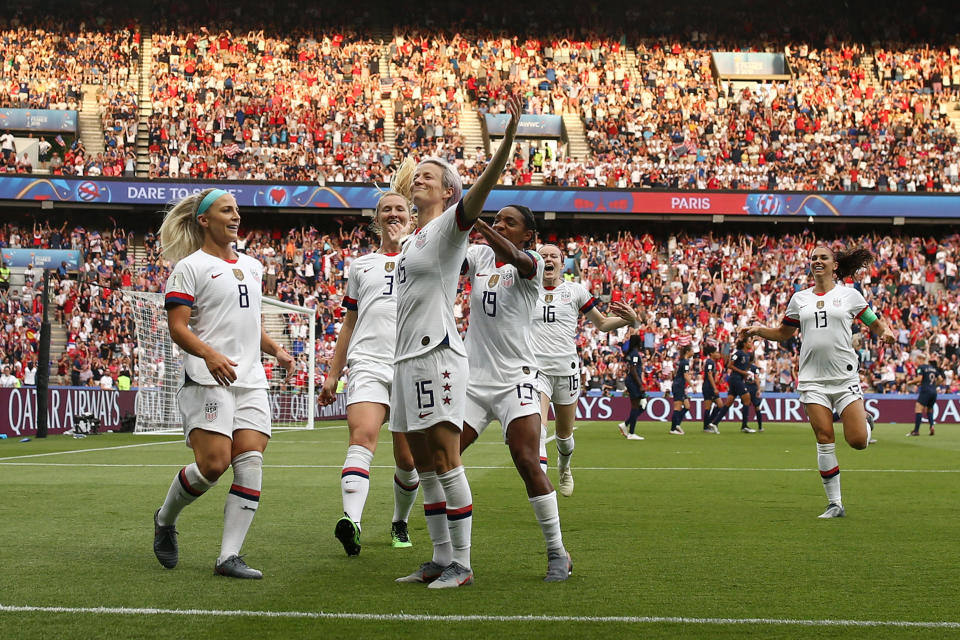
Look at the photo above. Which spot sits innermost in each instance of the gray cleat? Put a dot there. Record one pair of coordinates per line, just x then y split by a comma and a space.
235, 567
165, 543
455, 575
559, 566
428, 572
833, 511
871, 430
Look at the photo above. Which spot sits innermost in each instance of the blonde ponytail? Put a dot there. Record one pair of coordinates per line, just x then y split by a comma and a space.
401, 184
180, 233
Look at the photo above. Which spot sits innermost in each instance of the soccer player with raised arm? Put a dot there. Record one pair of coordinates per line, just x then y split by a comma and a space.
505, 282
431, 372
554, 334
213, 312
828, 378
366, 344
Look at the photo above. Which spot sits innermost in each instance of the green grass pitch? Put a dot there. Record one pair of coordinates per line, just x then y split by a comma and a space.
698, 536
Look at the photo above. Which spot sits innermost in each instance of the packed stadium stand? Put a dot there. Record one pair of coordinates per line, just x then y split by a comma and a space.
328, 95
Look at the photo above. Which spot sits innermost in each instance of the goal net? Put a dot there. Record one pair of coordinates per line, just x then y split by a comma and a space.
160, 365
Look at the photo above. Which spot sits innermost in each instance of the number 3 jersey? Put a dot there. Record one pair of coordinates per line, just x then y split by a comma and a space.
372, 293
499, 347
224, 301
825, 321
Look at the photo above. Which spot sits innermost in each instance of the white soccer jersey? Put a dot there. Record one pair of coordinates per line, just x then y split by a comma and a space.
428, 272
499, 347
224, 298
554, 326
825, 322
372, 293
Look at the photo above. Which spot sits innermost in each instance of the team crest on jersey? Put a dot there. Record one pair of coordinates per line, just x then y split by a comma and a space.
565, 296
238, 274
548, 298
819, 304
421, 239
210, 411
492, 282
837, 302
508, 280
388, 266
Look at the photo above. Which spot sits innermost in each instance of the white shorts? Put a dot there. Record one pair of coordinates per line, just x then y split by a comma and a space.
835, 396
369, 381
428, 390
223, 409
561, 390
503, 401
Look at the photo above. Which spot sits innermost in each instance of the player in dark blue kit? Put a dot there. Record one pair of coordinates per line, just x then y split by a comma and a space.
928, 374
634, 385
739, 373
753, 388
681, 378
711, 397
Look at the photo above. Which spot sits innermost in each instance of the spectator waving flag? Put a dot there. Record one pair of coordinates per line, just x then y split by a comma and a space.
59, 140
231, 150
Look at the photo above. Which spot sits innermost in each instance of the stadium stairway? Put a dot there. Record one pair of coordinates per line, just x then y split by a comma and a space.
577, 148
145, 102
88, 120
386, 82
471, 130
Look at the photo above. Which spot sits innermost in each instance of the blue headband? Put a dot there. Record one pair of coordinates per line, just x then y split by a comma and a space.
209, 199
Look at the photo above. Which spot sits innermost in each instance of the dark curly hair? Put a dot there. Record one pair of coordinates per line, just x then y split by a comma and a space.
851, 261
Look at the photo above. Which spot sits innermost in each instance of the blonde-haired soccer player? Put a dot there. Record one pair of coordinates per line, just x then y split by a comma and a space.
366, 345
431, 371
829, 379
554, 331
213, 312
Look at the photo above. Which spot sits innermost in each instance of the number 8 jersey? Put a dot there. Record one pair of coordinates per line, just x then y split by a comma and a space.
224, 301
825, 321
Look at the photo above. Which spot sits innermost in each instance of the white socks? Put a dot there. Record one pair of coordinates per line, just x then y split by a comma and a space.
242, 502
355, 481
188, 485
405, 485
435, 513
829, 471
565, 450
459, 512
545, 508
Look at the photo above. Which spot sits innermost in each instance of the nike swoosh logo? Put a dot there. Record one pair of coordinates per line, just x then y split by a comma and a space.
425, 414
243, 506
481, 275
365, 270
523, 404
216, 275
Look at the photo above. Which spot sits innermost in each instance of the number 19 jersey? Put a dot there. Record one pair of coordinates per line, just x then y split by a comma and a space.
498, 343
825, 321
224, 300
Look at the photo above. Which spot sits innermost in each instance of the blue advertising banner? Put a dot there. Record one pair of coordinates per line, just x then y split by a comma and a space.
41, 258
531, 126
291, 195
52, 120
750, 63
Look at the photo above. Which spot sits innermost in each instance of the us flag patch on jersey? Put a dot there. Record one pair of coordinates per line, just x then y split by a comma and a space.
210, 411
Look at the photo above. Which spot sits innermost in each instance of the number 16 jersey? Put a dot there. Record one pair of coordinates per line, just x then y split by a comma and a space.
224, 301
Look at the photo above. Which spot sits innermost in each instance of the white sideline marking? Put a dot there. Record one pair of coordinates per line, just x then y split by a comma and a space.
63, 453
14, 462
404, 617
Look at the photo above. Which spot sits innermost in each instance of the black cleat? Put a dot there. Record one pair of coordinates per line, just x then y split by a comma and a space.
165, 543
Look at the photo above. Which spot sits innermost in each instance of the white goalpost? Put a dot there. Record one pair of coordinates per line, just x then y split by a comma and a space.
160, 366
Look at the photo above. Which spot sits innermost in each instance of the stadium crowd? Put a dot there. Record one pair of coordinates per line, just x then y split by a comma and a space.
692, 288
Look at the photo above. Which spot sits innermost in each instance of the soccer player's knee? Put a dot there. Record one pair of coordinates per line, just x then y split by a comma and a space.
213, 465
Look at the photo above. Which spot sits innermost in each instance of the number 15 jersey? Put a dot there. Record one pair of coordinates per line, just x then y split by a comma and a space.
825, 321
224, 301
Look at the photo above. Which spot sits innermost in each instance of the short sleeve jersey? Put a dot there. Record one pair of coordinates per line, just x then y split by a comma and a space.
683, 366
372, 293
709, 366
633, 360
428, 272
224, 301
741, 360
499, 346
554, 326
928, 376
825, 322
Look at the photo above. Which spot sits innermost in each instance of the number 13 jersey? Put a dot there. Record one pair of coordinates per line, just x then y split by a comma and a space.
825, 321
224, 301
